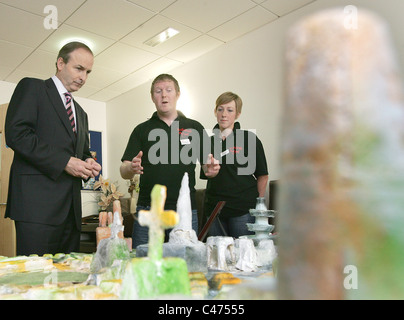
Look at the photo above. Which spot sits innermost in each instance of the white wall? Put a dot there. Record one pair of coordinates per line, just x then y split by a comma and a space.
249, 66
252, 67
6, 91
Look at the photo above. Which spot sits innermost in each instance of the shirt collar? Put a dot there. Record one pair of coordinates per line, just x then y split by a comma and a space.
180, 115
59, 86
236, 126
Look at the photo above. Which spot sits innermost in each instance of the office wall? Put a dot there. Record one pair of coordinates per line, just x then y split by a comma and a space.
251, 66
6, 91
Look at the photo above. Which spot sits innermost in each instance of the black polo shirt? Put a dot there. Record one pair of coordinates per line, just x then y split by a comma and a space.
242, 159
168, 152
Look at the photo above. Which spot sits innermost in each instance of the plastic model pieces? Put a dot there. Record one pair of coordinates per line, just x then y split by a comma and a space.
183, 241
217, 248
261, 227
154, 275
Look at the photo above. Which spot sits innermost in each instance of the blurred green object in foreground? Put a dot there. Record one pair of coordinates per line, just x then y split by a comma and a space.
40, 278
155, 276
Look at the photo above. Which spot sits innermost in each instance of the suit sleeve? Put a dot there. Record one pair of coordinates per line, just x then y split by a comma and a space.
21, 128
86, 148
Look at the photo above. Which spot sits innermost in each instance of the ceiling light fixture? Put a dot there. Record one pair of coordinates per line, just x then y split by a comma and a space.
161, 37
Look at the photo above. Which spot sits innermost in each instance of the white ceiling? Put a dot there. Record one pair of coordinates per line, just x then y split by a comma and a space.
117, 30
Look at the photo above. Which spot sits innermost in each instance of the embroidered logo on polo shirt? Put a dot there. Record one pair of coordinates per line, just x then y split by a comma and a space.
184, 132
235, 149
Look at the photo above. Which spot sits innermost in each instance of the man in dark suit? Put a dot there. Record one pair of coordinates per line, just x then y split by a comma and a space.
48, 131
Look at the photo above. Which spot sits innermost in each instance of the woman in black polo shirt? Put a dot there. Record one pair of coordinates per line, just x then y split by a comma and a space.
243, 174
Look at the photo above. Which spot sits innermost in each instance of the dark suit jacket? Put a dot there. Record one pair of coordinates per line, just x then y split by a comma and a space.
38, 130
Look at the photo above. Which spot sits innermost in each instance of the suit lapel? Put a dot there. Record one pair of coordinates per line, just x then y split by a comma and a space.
79, 124
59, 106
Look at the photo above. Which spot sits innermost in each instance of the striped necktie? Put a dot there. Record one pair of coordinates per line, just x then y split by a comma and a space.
69, 110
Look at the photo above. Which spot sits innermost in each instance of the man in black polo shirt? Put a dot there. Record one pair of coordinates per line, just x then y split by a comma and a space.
162, 149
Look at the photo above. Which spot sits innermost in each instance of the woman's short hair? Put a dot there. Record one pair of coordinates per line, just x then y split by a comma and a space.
227, 97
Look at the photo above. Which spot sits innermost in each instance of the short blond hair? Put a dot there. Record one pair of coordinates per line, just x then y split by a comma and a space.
165, 77
227, 97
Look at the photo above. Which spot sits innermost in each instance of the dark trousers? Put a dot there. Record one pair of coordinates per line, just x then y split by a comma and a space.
229, 222
34, 238
231, 227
